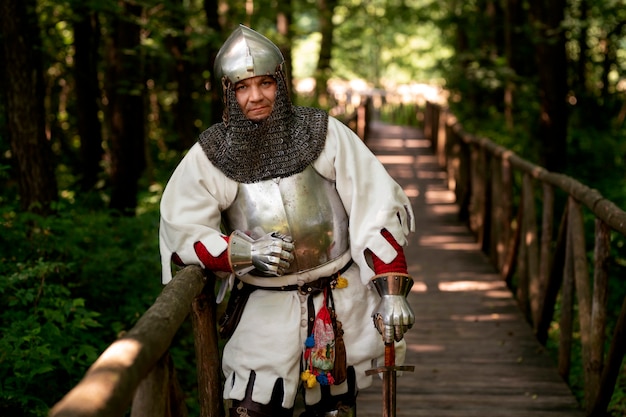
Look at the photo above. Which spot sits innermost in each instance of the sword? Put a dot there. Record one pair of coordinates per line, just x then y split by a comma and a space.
389, 372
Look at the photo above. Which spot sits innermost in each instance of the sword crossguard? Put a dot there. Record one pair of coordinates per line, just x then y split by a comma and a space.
384, 369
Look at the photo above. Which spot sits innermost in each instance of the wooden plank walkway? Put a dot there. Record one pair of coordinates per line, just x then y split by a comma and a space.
474, 354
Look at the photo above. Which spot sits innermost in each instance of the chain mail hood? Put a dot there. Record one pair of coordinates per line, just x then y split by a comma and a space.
284, 144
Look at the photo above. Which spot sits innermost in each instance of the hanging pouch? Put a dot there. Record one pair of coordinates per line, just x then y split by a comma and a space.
319, 355
323, 350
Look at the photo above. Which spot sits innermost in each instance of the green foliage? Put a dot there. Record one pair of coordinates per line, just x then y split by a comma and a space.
46, 340
595, 152
387, 43
617, 291
58, 277
617, 406
72, 282
401, 114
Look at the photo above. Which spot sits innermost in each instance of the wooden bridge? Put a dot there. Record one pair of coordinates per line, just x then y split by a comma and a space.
474, 352
486, 287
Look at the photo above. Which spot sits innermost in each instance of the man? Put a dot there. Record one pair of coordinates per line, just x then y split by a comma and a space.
306, 227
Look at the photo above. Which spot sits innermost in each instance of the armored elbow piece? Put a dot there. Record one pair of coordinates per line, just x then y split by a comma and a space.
269, 255
393, 315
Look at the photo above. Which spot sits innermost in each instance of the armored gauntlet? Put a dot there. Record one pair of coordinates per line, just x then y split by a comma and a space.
269, 255
393, 315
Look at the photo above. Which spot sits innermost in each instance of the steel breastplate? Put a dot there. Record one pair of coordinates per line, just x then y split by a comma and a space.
305, 206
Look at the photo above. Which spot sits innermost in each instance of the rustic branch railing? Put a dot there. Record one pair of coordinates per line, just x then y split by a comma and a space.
136, 371
543, 263
354, 110
537, 263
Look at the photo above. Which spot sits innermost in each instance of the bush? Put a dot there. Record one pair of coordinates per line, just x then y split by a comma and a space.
70, 283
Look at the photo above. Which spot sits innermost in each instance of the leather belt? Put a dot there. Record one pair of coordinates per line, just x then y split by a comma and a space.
313, 287
241, 292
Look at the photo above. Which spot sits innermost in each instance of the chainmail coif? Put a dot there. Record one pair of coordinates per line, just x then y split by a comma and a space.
284, 144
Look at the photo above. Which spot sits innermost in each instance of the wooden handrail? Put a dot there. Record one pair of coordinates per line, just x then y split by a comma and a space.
108, 387
538, 263
523, 246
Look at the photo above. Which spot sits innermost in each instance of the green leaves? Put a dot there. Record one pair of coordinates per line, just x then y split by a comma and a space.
58, 276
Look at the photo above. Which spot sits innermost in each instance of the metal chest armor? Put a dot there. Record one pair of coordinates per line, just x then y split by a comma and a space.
305, 206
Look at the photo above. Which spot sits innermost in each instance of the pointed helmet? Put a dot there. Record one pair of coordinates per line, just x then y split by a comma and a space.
246, 54
285, 143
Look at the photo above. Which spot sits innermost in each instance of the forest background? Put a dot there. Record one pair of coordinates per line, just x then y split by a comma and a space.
101, 99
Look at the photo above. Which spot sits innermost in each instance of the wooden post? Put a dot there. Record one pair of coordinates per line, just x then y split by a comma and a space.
545, 253
204, 322
612, 368
602, 253
567, 302
160, 394
554, 281
583, 290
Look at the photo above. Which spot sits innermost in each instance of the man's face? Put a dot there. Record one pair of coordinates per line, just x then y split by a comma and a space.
256, 96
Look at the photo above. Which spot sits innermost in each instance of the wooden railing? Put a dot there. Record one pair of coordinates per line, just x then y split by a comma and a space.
543, 259
543, 262
354, 110
136, 371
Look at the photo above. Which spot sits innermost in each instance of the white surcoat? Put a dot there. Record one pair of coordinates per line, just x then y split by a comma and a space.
269, 339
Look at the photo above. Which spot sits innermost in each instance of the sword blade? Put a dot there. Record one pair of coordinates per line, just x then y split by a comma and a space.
389, 381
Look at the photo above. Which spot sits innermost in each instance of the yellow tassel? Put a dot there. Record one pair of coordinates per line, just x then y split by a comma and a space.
308, 378
341, 283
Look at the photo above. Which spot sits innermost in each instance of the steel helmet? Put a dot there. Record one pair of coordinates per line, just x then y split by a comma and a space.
246, 54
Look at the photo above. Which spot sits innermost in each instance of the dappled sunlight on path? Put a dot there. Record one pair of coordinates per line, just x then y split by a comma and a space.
474, 354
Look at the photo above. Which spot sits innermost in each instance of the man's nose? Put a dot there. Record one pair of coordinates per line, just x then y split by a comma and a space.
255, 93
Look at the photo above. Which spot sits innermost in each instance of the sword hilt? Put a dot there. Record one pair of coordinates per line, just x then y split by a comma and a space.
390, 354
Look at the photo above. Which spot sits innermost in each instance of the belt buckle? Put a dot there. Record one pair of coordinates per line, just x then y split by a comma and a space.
305, 289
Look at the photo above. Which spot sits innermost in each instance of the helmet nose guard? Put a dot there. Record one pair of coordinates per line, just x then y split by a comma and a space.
246, 54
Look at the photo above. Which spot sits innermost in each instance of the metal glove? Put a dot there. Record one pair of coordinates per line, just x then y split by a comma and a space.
393, 316
269, 255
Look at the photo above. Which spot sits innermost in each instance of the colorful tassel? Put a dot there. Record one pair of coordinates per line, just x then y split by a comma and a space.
341, 282
308, 378
325, 379
310, 342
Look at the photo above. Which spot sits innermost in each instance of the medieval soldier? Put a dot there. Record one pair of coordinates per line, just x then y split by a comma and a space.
305, 226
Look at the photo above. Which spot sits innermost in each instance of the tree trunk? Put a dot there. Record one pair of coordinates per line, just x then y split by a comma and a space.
184, 114
322, 73
211, 8
126, 101
86, 44
23, 86
461, 52
552, 70
283, 24
509, 84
